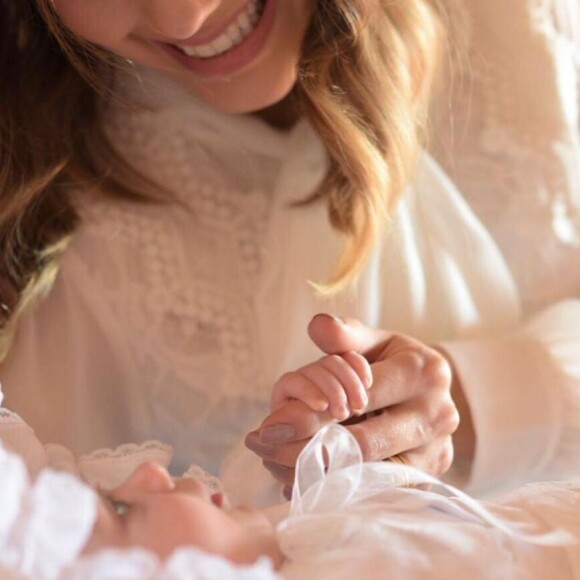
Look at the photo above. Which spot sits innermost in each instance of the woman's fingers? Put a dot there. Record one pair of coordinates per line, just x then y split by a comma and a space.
404, 429
283, 474
292, 422
283, 455
401, 429
408, 372
410, 410
337, 336
435, 458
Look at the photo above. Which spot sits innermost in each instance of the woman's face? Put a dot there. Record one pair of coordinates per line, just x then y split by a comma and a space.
163, 514
238, 55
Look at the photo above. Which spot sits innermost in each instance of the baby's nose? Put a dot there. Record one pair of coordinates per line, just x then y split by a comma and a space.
150, 477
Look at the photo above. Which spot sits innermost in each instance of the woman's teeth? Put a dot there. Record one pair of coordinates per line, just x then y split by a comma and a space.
235, 33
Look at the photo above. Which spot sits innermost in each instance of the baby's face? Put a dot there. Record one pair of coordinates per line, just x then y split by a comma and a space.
162, 514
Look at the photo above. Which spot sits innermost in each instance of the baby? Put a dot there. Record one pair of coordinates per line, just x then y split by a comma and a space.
346, 517
154, 511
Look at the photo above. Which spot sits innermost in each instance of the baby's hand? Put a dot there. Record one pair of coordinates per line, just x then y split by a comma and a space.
337, 383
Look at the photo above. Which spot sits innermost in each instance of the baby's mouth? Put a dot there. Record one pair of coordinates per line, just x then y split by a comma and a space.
219, 499
235, 34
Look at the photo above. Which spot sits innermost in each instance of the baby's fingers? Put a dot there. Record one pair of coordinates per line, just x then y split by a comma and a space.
339, 377
295, 385
361, 366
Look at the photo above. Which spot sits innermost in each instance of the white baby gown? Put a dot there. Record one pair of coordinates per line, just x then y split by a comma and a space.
351, 521
342, 521
350, 518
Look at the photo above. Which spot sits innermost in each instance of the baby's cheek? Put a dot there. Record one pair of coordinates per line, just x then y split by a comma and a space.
106, 533
170, 524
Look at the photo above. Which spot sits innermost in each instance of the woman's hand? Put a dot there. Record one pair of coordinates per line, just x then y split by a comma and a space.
410, 411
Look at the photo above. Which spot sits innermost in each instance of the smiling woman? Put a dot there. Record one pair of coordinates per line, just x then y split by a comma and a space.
135, 320
230, 46
229, 35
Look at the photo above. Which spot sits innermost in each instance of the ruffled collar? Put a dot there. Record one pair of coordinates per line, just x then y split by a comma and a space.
32, 513
159, 94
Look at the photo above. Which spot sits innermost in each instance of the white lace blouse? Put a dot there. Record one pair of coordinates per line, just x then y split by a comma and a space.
173, 321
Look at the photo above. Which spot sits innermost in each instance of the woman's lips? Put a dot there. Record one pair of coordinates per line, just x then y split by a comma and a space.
235, 59
207, 37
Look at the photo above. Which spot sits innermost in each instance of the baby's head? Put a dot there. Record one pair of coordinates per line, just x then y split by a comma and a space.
53, 523
153, 511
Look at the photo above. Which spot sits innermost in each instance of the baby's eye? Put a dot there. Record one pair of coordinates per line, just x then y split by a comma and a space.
121, 508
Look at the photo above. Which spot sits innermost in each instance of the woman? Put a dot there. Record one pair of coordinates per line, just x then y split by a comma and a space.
276, 136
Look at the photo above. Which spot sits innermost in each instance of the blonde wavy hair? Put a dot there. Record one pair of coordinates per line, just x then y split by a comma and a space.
365, 77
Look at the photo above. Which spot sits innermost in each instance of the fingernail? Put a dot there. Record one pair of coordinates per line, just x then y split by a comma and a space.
255, 443
287, 492
341, 413
368, 380
280, 470
336, 319
364, 402
280, 433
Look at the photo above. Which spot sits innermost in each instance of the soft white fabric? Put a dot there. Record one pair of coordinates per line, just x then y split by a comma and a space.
348, 518
172, 322
45, 523
184, 564
508, 134
351, 520
344, 517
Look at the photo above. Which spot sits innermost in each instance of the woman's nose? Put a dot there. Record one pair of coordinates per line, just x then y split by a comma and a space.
177, 19
148, 477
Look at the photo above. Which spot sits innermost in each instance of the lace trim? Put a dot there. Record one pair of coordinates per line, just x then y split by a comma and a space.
109, 468
186, 307
126, 451
9, 417
210, 481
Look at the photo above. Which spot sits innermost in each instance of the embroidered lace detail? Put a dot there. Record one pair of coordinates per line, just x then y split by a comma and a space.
514, 141
108, 468
193, 263
9, 418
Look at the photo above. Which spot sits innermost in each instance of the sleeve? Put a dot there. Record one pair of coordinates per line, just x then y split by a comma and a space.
523, 390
